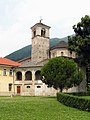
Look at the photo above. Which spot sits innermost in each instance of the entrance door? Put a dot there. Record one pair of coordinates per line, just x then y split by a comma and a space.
18, 89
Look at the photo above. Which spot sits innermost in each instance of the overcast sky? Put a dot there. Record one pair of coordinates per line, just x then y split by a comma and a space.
18, 16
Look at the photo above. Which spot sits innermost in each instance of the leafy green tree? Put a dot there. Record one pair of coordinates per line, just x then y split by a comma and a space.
61, 73
80, 43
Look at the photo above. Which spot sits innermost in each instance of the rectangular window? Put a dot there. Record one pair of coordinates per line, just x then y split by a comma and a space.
4, 72
11, 72
10, 87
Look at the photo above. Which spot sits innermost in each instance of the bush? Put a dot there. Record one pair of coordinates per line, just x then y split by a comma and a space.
80, 93
74, 101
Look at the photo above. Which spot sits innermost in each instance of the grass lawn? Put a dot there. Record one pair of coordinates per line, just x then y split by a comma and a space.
38, 108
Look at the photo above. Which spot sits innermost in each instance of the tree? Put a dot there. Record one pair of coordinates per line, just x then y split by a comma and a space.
61, 73
80, 43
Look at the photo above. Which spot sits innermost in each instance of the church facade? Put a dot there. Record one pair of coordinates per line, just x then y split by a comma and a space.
26, 78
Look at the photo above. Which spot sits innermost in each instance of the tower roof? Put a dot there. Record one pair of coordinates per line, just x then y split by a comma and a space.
40, 25
61, 44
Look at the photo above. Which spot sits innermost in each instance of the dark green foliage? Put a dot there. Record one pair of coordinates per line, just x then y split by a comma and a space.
74, 101
81, 41
81, 44
61, 73
80, 93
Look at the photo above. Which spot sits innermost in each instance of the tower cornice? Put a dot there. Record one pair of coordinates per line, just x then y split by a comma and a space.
40, 36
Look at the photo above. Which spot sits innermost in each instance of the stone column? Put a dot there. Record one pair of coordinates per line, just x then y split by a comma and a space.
13, 84
23, 79
33, 75
33, 83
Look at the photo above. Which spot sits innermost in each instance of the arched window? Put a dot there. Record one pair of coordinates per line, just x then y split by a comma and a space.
43, 32
34, 33
61, 53
38, 75
28, 75
19, 75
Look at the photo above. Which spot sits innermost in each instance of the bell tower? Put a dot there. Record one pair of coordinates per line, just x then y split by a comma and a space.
40, 42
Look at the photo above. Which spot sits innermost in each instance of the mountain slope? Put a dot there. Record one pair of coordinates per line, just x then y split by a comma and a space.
20, 54
55, 41
26, 51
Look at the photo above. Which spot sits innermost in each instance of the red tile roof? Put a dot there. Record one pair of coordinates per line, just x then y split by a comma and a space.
5, 61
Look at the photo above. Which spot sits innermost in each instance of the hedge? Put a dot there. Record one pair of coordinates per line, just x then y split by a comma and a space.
74, 101
80, 93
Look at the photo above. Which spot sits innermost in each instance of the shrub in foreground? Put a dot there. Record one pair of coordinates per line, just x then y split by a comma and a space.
74, 101
80, 93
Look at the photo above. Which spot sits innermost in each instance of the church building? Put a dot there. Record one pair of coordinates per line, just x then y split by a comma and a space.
26, 78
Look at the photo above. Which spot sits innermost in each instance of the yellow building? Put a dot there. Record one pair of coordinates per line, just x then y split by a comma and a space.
6, 76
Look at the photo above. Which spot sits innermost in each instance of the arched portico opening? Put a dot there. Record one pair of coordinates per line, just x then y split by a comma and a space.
19, 75
38, 75
28, 75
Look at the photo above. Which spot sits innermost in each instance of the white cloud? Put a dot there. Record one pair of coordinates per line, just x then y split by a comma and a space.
17, 16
